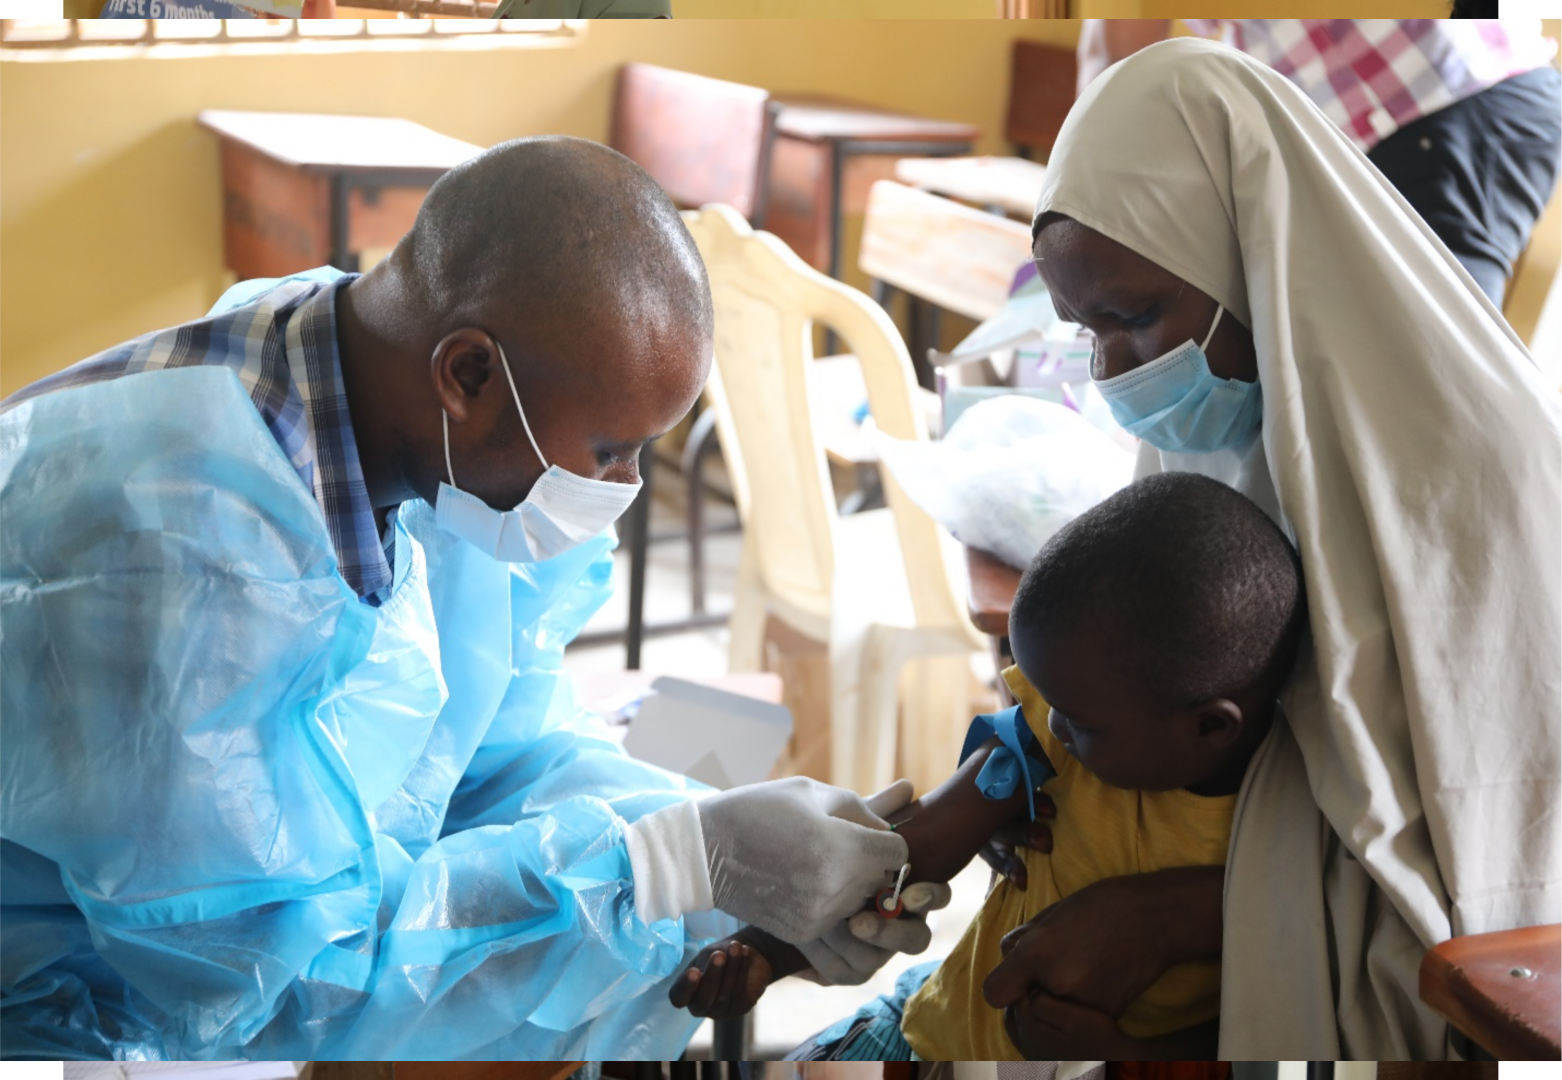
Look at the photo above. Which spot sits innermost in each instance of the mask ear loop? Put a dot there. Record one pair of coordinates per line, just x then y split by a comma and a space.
444, 419
1219, 309
517, 395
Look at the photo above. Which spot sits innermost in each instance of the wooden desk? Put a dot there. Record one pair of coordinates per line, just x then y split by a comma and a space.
816, 136
1501, 990
992, 584
301, 190
1008, 184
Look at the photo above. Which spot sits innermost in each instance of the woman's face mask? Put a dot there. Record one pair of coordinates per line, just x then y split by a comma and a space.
1174, 403
561, 511
1136, 310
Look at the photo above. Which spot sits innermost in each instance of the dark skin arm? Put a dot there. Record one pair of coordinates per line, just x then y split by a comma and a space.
943, 830
1046, 1028
1105, 944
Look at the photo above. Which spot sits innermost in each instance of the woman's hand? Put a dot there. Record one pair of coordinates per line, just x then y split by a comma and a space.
1001, 852
1105, 944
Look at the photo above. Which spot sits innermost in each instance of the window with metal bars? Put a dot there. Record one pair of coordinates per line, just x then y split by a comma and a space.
409, 23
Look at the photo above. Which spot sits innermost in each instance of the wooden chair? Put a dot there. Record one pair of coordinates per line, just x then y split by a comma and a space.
1041, 92
893, 570
703, 140
1534, 272
953, 257
1500, 990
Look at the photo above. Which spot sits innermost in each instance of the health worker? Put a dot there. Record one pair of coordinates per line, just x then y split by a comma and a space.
291, 769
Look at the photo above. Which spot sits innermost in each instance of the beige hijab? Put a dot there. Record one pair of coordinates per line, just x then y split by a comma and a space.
1413, 453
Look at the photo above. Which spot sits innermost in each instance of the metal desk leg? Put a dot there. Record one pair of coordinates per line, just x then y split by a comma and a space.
730, 1038
341, 258
702, 440
639, 521
837, 168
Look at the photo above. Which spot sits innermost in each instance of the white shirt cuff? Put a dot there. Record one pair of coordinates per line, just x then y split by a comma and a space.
667, 858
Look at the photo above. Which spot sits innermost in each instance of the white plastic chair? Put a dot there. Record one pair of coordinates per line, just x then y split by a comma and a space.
883, 587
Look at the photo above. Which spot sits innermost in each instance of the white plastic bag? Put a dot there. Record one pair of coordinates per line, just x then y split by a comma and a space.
1009, 473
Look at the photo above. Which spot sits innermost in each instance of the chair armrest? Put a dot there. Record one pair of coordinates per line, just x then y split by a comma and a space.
1500, 989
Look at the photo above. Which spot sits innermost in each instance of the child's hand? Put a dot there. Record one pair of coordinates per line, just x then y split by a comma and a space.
1001, 852
1045, 1028
725, 980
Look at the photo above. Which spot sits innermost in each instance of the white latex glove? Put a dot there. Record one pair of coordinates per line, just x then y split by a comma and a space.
795, 857
853, 950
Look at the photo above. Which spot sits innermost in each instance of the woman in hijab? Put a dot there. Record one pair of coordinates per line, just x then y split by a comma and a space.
1269, 312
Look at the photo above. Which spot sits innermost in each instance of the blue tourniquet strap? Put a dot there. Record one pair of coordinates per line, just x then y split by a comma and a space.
1018, 761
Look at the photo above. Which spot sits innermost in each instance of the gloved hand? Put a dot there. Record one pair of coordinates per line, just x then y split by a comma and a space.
795, 857
853, 950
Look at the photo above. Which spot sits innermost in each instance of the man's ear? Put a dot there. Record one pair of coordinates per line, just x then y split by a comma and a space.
464, 364
1219, 722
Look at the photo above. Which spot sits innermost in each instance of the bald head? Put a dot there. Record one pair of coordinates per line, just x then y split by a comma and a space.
549, 231
552, 265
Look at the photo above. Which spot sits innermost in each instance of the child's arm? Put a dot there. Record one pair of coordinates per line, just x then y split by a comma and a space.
943, 831
1045, 1028
947, 827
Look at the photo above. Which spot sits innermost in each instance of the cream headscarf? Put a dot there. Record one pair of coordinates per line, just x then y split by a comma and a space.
1412, 451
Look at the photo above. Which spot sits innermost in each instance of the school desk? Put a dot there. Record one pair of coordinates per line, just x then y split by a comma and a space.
301, 190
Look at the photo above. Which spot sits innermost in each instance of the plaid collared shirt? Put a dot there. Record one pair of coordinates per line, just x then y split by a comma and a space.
1374, 76
282, 346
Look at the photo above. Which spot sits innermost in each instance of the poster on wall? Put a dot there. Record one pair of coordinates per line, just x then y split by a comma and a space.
199, 9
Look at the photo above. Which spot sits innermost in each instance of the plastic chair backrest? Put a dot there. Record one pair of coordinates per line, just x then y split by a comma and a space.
767, 300
703, 140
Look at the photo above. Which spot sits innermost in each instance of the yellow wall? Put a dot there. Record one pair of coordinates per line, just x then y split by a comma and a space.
988, 9
767, 9
110, 224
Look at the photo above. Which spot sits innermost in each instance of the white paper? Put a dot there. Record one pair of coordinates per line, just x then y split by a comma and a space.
719, 738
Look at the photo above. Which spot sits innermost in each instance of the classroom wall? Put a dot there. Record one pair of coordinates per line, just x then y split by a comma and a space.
111, 219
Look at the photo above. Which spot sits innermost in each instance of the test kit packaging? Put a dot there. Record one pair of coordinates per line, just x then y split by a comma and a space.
200, 9
718, 738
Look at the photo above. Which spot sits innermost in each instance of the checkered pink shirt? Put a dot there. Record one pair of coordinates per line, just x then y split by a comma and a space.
1373, 76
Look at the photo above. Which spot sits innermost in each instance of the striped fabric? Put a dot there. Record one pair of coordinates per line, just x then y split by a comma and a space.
282, 347
1374, 76
1026, 1070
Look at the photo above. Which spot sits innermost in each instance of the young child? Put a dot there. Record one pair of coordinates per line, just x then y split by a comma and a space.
1159, 626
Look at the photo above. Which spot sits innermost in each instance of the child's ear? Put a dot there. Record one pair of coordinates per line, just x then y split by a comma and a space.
1219, 722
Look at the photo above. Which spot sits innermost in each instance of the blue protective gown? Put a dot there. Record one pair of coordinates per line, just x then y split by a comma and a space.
246, 814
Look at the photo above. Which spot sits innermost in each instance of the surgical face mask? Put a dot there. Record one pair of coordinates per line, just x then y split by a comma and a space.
561, 511
1175, 403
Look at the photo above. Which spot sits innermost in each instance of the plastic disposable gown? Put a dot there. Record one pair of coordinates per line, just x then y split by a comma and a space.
246, 814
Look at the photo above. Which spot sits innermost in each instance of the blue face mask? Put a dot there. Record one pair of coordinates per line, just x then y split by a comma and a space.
1174, 403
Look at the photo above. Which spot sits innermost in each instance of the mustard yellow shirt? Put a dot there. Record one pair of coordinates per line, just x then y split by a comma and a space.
1100, 832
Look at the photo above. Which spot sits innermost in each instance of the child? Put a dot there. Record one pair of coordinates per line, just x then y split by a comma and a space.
1160, 624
